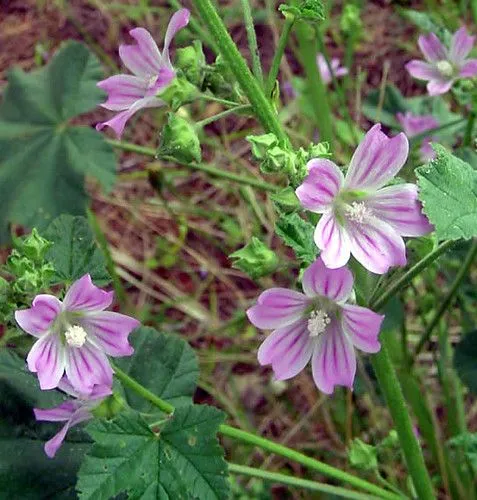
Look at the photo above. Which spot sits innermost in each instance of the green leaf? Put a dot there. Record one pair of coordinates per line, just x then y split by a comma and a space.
182, 460
297, 234
448, 191
465, 360
468, 444
74, 252
164, 364
43, 158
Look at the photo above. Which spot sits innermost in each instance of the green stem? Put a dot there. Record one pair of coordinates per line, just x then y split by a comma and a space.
428, 133
212, 98
252, 40
469, 129
250, 86
266, 444
215, 172
315, 87
277, 58
463, 270
222, 114
275, 477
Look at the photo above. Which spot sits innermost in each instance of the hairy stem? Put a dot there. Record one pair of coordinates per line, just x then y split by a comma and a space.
252, 40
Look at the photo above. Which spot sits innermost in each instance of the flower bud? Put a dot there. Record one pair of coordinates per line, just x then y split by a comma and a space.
362, 456
179, 140
179, 92
109, 407
255, 259
33, 246
191, 61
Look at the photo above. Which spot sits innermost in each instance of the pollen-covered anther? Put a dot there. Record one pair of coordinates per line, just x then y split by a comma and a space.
318, 322
358, 212
445, 68
75, 336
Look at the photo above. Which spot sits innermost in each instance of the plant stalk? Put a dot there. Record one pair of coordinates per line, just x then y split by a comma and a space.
252, 41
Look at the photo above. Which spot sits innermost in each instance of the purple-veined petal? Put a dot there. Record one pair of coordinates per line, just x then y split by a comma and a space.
376, 160
426, 153
40, 316
164, 78
376, 245
335, 284
469, 69
432, 48
461, 45
439, 86
118, 122
61, 413
110, 330
143, 59
179, 20
362, 326
123, 91
287, 349
333, 361
320, 186
414, 124
47, 359
399, 206
87, 366
422, 70
331, 238
277, 307
84, 295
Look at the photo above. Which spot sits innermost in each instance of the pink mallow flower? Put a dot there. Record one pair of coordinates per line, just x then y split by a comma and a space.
443, 66
414, 125
319, 325
325, 70
75, 336
152, 70
73, 412
360, 216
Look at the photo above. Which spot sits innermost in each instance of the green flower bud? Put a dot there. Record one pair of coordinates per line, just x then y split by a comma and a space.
179, 140
179, 92
255, 259
33, 246
221, 82
308, 10
286, 200
191, 61
350, 22
109, 407
362, 456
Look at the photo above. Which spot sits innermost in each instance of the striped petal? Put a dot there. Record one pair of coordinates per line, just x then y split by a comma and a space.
123, 91
432, 48
469, 69
179, 20
47, 359
362, 326
144, 58
461, 45
439, 86
84, 296
37, 320
422, 70
331, 238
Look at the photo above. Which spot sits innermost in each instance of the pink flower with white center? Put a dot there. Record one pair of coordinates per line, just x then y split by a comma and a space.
360, 216
73, 412
443, 66
75, 336
319, 325
414, 125
325, 70
152, 70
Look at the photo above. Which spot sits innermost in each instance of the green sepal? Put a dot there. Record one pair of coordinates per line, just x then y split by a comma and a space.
255, 259
179, 140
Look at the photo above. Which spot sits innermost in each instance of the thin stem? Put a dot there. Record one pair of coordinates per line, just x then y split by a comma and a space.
469, 129
277, 58
222, 114
212, 98
463, 270
252, 40
249, 85
276, 477
215, 172
440, 128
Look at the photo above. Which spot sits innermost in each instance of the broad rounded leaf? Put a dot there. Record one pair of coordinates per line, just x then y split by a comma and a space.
297, 234
465, 360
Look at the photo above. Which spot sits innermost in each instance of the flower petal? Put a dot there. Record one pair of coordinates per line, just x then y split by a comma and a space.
277, 307
335, 284
362, 326
323, 69
334, 361
321, 185
143, 59
61, 413
376, 245
47, 359
87, 366
415, 124
40, 316
123, 91
287, 349
461, 45
179, 20
331, 238
110, 330
469, 69
422, 70
376, 160
432, 48
84, 296
399, 206
439, 86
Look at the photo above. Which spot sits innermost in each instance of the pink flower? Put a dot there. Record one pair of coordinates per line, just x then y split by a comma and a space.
443, 66
75, 336
325, 70
152, 70
72, 412
360, 216
317, 325
414, 125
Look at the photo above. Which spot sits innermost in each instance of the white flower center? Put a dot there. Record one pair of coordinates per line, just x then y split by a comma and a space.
75, 336
318, 322
358, 212
151, 81
445, 68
